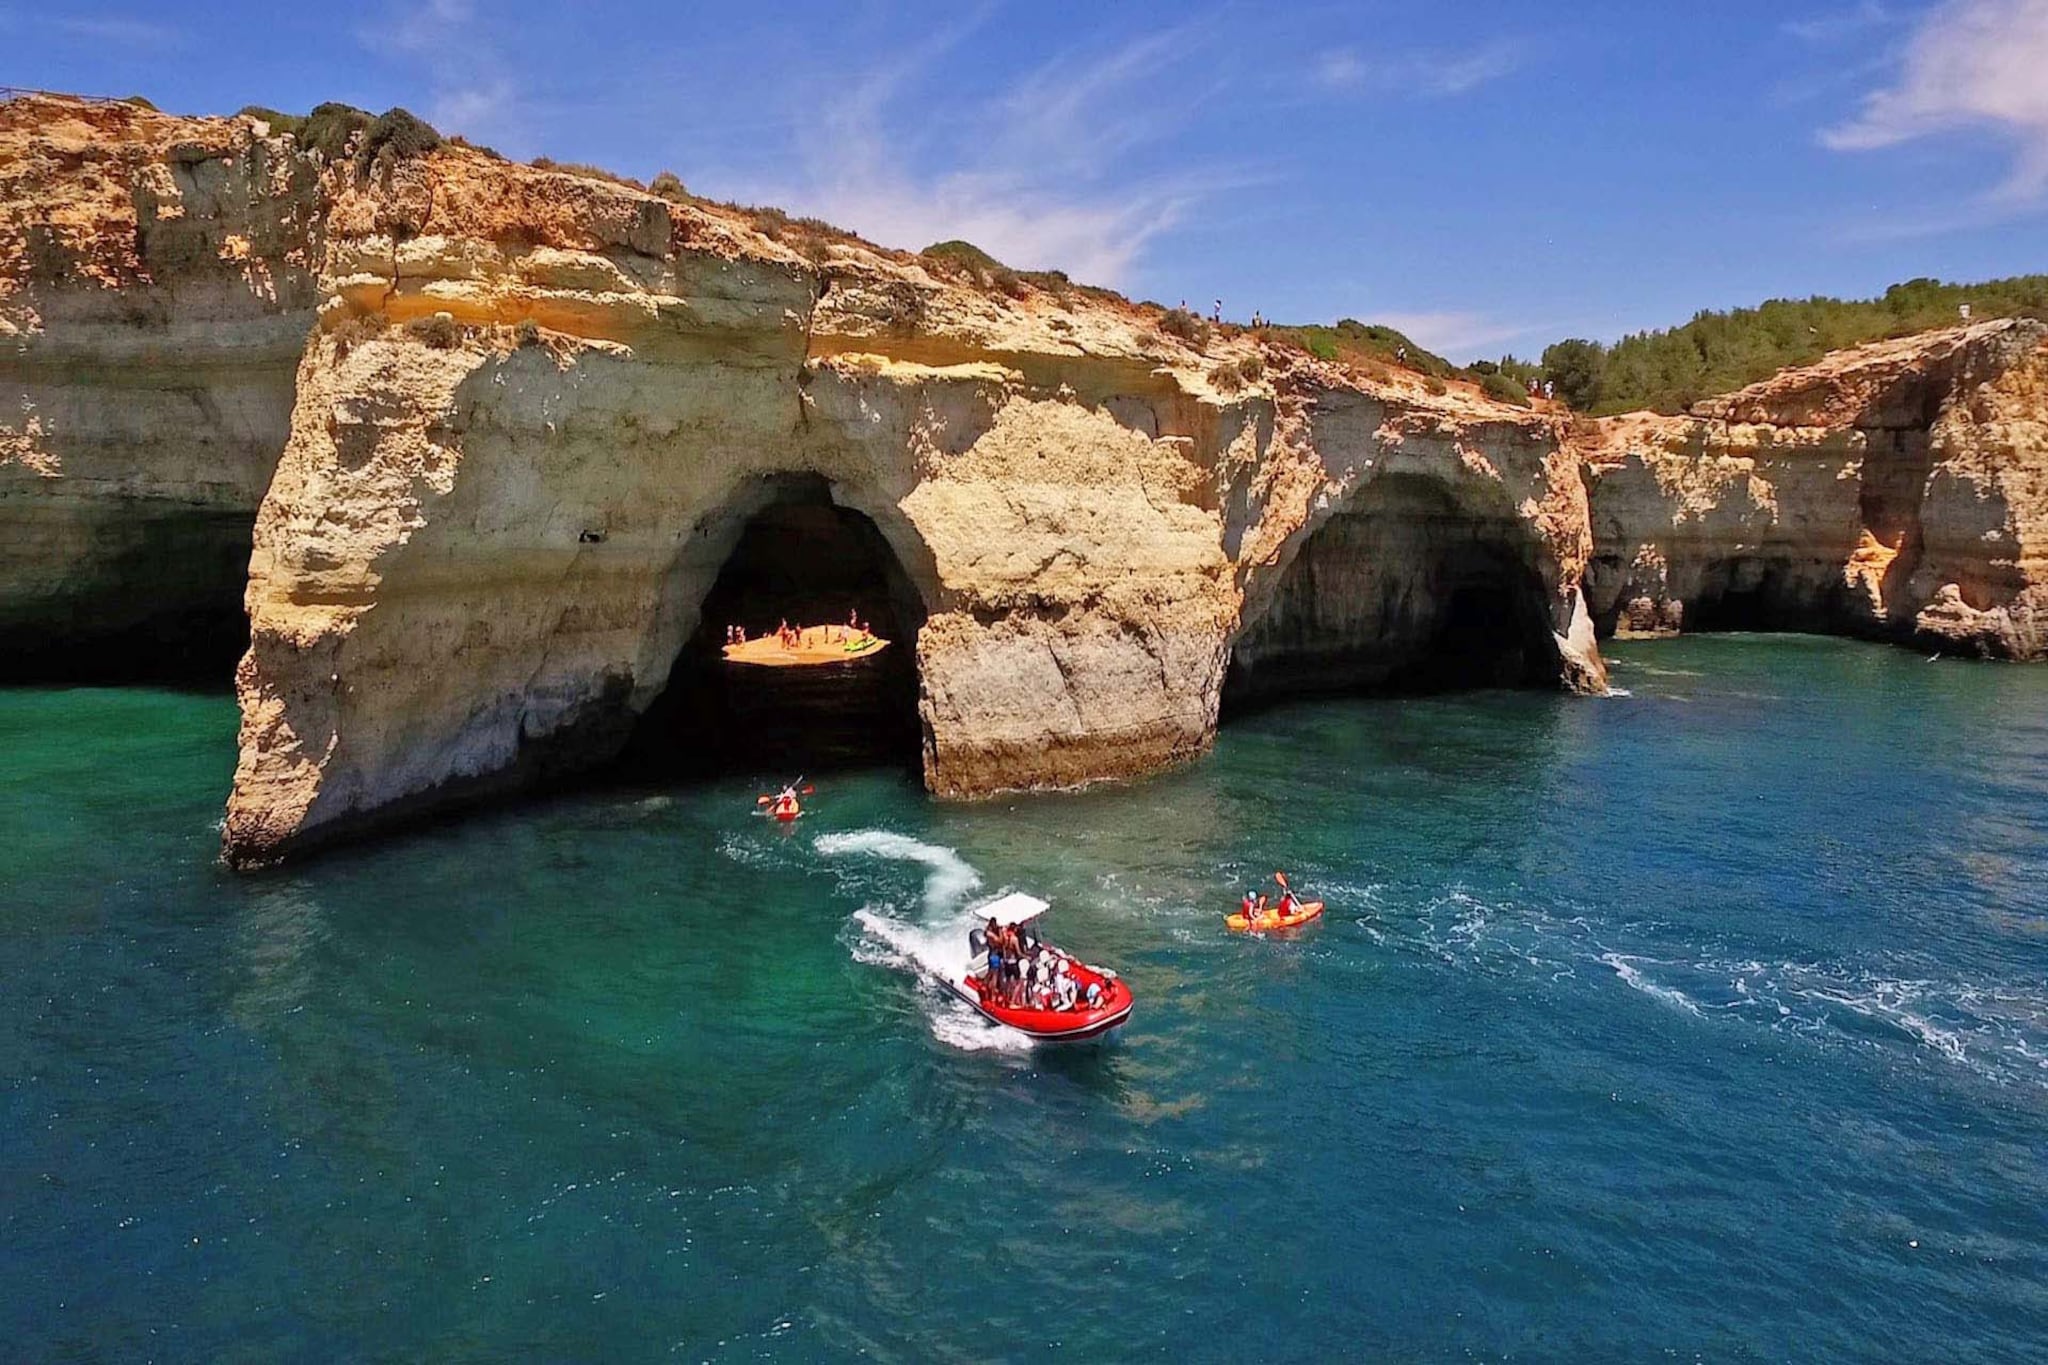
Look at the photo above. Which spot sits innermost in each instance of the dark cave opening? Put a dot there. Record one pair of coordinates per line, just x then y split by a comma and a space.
804, 559
158, 603
1403, 592
1745, 594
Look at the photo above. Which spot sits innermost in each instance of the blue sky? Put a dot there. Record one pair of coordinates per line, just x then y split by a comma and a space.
1484, 175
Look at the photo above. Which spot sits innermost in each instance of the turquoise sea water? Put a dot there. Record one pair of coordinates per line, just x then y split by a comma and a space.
1709, 1021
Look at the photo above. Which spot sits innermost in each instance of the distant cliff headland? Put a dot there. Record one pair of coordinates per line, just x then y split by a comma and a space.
452, 453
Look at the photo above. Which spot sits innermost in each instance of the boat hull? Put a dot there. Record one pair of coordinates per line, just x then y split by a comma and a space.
1052, 1026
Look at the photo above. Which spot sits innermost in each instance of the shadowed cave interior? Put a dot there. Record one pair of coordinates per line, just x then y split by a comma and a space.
1404, 591
805, 559
158, 602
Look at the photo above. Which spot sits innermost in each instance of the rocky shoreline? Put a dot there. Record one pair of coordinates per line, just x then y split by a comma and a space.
493, 433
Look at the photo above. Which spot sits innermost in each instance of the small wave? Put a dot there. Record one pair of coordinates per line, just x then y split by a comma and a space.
926, 951
1617, 692
1624, 967
934, 946
949, 878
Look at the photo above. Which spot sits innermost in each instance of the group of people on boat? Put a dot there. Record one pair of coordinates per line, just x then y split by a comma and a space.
854, 632
1022, 972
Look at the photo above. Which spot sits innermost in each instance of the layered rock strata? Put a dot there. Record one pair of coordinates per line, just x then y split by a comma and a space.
507, 428
156, 290
1896, 491
539, 411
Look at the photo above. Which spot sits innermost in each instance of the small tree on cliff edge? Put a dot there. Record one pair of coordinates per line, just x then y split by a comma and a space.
1577, 367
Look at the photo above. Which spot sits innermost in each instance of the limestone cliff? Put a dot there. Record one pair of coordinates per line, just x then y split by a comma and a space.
512, 429
1896, 491
540, 409
156, 290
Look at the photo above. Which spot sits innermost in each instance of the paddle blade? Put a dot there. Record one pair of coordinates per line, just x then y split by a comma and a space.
763, 800
1281, 877
810, 791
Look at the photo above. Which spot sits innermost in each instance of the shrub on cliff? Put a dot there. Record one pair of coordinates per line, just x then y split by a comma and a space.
584, 171
963, 258
458, 140
1498, 385
329, 127
398, 134
279, 121
1179, 322
669, 186
1364, 345
440, 331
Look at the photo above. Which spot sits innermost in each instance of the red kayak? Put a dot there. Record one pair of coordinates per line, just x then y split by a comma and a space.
1113, 998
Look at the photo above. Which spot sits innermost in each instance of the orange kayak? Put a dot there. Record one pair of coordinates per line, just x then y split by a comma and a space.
1273, 919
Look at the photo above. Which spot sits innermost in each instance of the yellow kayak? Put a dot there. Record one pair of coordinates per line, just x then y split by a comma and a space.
1273, 919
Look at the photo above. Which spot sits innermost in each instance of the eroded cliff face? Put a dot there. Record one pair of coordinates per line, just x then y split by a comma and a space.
156, 290
518, 427
539, 412
1896, 491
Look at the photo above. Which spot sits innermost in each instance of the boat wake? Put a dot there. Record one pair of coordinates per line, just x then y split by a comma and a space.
932, 941
1998, 1032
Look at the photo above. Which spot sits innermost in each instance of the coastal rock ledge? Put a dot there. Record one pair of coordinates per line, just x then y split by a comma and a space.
508, 447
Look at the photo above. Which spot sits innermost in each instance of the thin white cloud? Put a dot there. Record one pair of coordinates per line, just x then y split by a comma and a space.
1970, 64
472, 91
1840, 25
1456, 333
122, 31
1038, 173
1438, 74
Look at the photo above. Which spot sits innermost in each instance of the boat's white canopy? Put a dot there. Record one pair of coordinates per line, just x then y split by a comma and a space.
1014, 908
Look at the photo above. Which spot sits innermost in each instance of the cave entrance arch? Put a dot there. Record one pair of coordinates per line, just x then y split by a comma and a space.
1406, 589
789, 550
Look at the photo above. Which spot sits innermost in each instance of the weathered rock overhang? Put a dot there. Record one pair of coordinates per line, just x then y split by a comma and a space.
1893, 492
506, 428
534, 420
156, 291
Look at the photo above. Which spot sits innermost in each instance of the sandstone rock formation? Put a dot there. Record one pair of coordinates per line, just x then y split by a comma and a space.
511, 429
1896, 491
540, 410
155, 294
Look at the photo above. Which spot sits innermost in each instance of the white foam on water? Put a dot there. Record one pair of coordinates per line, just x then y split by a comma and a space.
1625, 968
949, 878
1995, 1031
885, 941
934, 944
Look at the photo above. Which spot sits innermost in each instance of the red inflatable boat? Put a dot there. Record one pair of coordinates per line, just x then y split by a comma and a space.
1111, 1008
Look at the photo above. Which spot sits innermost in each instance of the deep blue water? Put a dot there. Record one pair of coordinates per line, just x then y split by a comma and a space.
1707, 1022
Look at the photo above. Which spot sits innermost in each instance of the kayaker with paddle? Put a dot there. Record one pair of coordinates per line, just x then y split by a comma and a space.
1254, 916
783, 805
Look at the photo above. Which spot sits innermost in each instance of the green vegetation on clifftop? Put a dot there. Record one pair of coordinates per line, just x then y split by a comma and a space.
1721, 351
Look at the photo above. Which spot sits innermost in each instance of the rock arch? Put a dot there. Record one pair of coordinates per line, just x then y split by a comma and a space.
1412, 583
787, 546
